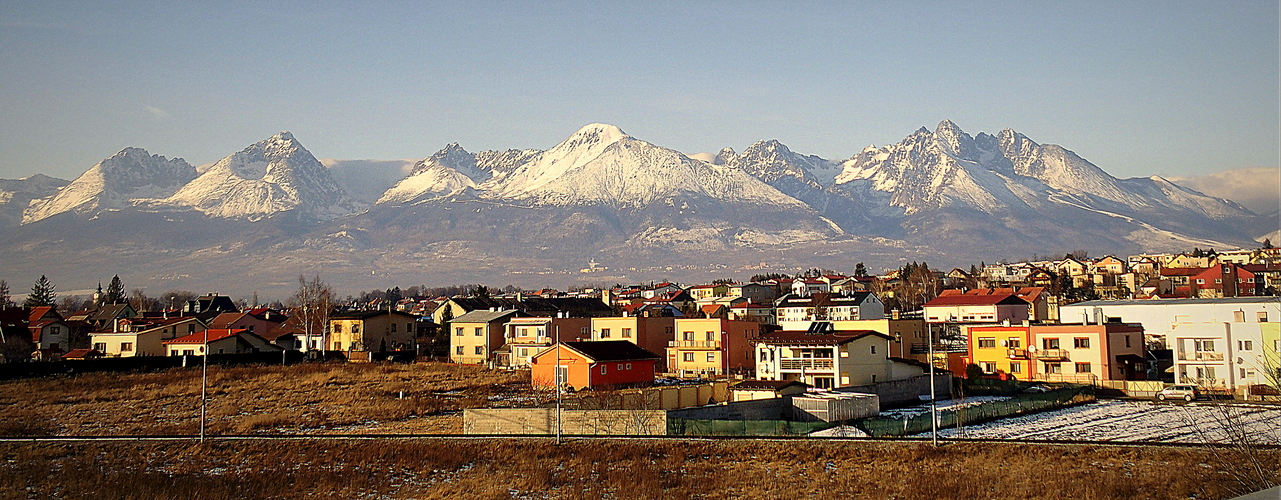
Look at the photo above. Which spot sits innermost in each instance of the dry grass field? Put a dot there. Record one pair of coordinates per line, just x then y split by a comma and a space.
303, 398
537, 468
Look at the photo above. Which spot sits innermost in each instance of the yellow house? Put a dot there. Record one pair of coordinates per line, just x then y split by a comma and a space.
475, 336
1002, 350
372, 331
712, 347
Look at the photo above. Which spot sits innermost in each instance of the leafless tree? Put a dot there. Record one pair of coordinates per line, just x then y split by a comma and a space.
313, 302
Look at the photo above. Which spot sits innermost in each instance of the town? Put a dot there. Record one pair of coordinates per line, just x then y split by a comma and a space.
820, 346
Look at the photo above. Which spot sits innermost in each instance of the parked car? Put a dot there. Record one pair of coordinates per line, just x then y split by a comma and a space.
1185, 392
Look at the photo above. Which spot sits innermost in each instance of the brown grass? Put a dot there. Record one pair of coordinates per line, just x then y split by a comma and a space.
532, 468
311, 398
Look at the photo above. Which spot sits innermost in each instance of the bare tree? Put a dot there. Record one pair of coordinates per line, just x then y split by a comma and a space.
313, 303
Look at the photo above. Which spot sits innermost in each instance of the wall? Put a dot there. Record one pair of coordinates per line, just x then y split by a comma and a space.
542, 421
761, 409
898, 392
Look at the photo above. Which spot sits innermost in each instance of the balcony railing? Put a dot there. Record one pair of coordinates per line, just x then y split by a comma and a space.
1016, 353
710, 344
805, 363
1051, 354
1200, 356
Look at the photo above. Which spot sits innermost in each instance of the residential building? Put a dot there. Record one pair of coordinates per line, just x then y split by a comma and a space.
592, 365
754, 292
579, 307
1158, 316
477, 335
220, 341
259, 321
1078, 353
372, 331
823, 357
966, 308
712, 348
143, 337
650, 333
1225, 356
526, 337
751, 311
793, 310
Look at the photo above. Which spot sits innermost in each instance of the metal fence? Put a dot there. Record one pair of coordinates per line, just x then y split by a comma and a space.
991, 410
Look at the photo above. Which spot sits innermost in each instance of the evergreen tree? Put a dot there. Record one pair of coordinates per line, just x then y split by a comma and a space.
42, 293
115, 291
860, 270
1267, 243
4, 294
482, 292
394, 295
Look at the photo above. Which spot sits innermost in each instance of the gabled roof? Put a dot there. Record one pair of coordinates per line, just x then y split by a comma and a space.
213, 335
484, 316
794, 337
609, 350
975, 300
38, 313
349, 315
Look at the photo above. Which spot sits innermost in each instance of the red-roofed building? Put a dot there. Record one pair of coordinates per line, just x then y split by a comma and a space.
220, 341
984, 308
584, 365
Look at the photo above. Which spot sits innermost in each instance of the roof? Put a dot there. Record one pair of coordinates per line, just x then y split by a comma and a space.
1170, 302
712, 308
796, 337
42, 311
975, 300
767, 384
199, 337
484, 316
610, 350
80, 353
369, 314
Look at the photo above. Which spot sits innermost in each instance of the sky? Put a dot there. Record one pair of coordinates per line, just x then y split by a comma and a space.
1180, 89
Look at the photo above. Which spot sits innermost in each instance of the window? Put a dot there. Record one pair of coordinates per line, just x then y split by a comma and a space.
604, 333
458, 331
53, 330
583, 331
355, 328
1051, 343
1081, 343
619, 367
337, 327
1245, 345
1016, 368
627, 333
1238, 316
764, 356
1127, 340
1053, 368
100, 346
873, 348
479, 331
689, 357
629, 366
1200, 281
126, 347
986, 342
191, 328
1014, 342
1262, 316
711, 357
188, 352
604, 369
1203, 345
687, 335
711, 335
669, 329
987, 367
458, 350
1083, 368
480, 350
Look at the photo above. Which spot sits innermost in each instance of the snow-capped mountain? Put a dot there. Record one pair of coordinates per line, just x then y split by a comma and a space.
17, 194
114, 183
270, 177
451, 171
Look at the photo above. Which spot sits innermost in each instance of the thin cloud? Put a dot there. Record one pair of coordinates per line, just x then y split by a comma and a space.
157, 113
1258, 189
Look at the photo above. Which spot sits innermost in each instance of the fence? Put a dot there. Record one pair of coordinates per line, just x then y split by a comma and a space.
682, 427
543, 421
653, 398
991, 410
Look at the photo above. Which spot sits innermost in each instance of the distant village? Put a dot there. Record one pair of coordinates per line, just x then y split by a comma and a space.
1204, 318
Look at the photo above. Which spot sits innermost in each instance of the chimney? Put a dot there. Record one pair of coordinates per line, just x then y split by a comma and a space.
895, 314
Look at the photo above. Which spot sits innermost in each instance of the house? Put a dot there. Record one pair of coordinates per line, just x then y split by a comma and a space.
143, 337
526, 337
650, 333
372, 331
103, 316
967, 308
477, 335
220, 341
792, 309
754, 292
1078, 353
751, 311
1109, 265
581, 307
1041, 306
823, 357
1225, 356
1223, 280
711, 348
804, 287
259, 321
1159, 316
752, 390
708, 291
209, 306
51, 334
593, 365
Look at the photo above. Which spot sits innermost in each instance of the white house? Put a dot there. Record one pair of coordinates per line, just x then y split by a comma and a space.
1229, 356
794, 313
1160, 316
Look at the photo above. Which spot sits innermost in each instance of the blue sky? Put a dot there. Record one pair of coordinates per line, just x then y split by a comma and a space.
1169, 88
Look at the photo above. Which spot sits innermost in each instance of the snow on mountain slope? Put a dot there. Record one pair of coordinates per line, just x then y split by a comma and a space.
17, 194
113, 183
600, 164
272, 176
451, 171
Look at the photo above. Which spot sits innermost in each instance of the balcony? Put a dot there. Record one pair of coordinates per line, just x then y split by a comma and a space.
1200, 356
805, 363
1013, 353
706, 344
1051, 354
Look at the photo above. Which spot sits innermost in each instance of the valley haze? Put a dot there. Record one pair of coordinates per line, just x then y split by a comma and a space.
600, 207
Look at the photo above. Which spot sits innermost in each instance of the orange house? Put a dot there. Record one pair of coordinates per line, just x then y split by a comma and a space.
596, 364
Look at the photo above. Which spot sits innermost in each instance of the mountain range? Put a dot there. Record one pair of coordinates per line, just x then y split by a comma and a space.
632, 208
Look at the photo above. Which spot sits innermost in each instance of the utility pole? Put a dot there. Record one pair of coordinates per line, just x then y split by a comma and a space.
934, 415
204, 383
557, 380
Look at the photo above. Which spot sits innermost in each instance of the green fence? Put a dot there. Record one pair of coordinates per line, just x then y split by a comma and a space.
682, 427
991, 410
